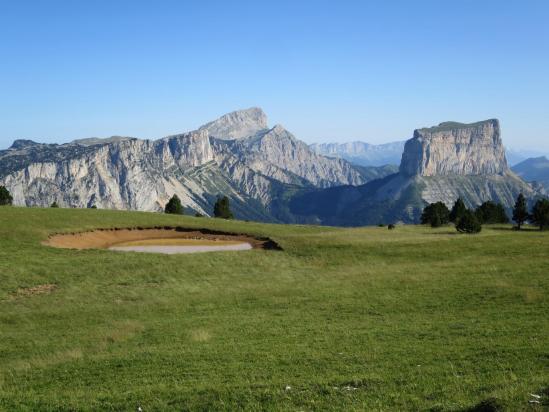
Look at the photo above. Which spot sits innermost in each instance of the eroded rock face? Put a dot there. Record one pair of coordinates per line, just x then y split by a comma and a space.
136, 174
455, 149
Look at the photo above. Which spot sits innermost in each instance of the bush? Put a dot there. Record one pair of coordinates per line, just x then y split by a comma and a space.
490, 212
540, 214
391, 227
174, 206
468, 223
435, 214
222, 208
5, 196
54, 205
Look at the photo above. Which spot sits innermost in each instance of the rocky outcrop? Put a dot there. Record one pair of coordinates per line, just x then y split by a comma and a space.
237, 124
455, 149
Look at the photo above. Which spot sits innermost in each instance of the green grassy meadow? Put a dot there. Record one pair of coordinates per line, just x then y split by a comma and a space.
341, 319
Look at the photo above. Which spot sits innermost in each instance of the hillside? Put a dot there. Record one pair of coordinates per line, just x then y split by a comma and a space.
354, 319
534, 170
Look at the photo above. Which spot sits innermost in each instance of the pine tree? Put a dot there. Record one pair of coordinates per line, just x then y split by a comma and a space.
174, 206
520, 211
457, 210
540, 214
468, 223
222, 208
435, 214
490, 212
436, 221
5, 196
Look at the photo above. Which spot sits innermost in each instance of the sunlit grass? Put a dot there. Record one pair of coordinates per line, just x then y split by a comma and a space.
348, 319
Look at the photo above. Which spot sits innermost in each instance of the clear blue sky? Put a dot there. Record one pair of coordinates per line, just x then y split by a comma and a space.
331, 70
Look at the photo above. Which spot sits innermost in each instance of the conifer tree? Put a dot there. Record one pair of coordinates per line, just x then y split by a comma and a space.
540, 214
174, 206
5, 197
490, 212
457, 210
520, 211
468, 223
222, 208
435, 214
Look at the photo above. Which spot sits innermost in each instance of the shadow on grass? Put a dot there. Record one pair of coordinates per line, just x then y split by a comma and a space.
487, 405
514, 229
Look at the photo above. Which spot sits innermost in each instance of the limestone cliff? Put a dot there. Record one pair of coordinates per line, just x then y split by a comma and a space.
455, 149
129, 173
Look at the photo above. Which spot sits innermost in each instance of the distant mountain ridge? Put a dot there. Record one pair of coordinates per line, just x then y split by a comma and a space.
534, 170
362, 153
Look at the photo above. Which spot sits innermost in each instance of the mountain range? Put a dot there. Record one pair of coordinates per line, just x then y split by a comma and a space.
268, 174
237, 155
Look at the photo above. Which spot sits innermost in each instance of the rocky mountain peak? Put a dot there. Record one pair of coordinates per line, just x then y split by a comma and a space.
237, 124
453, 148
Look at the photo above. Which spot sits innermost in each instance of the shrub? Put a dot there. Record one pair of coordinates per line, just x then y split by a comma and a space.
5, 196
490, 212
457, 210
54, 205
540, 214
222, 208
468, 223
391, 227
520, 211
435, 214
174, 206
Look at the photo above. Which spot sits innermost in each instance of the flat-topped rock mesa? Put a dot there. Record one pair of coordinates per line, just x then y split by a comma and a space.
453, 148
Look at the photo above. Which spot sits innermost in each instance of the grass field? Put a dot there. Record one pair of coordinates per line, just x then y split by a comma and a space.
342, 319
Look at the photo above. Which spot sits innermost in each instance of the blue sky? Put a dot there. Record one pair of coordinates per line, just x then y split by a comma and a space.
328, 71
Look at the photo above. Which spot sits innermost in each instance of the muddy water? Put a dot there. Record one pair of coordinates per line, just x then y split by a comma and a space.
173, 246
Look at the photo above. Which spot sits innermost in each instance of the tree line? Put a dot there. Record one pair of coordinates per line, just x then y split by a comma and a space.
471, 221
435, 214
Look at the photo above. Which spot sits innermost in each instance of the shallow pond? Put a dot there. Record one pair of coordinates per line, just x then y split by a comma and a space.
173, 246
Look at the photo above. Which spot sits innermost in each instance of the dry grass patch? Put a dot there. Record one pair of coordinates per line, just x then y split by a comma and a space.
34, 290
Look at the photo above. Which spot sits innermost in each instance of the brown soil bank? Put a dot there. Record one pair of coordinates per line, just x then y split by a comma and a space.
105, 238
